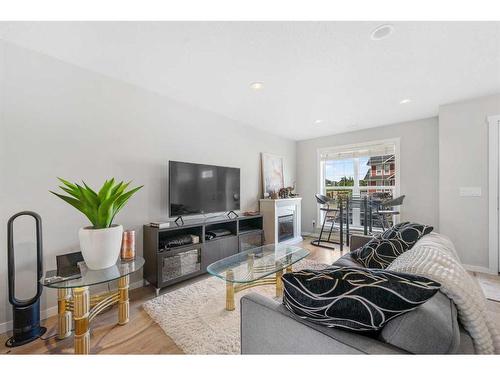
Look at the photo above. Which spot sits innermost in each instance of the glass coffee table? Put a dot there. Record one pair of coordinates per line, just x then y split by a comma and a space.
75, 305
258, 266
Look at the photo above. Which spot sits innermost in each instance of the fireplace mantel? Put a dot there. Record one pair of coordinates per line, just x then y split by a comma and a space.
272, 209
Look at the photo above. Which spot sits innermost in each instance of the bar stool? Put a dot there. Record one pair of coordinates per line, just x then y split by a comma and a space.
330, 216
386, 209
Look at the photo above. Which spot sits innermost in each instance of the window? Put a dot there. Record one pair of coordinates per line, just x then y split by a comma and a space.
360, 170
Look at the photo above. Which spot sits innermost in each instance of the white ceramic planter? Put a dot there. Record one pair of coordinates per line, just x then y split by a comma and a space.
100, 247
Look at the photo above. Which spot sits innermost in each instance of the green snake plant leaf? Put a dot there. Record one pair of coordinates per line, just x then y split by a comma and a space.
122, 200
90, 202
100, 208
105, 190
75, 194
67, 183
105, 211
75, 203
120, 188
89, 189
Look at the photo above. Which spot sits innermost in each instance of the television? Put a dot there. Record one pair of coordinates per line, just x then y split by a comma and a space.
201, 189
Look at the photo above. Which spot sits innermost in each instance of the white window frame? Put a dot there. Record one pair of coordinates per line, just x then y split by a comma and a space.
340, 148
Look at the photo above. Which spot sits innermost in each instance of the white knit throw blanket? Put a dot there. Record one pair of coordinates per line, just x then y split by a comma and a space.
434, 256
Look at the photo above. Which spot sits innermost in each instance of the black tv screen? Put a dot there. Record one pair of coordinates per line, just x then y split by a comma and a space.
202, 189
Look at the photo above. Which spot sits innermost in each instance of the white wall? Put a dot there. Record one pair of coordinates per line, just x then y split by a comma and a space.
60, 120
463, 161
418, 164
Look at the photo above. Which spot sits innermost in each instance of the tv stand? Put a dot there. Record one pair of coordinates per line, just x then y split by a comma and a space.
167, 266
232, 212
179, 218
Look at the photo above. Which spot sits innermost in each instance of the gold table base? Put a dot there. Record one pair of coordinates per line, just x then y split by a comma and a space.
77, 306
232, 288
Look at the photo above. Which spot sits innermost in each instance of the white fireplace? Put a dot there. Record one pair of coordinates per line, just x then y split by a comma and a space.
281, 220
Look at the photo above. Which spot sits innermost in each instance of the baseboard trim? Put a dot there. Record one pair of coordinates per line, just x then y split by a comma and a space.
480, 269
51, 311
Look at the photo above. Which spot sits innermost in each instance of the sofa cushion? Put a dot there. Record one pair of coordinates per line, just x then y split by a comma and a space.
346, 261
268, 327
379, 252
354, 298
432, 328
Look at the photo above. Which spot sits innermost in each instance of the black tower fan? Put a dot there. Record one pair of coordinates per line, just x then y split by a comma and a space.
26, 313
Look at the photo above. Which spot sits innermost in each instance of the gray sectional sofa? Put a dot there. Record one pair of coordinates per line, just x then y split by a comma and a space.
267, 327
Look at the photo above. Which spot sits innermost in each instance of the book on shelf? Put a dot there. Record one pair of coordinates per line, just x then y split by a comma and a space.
160, 224
251, 213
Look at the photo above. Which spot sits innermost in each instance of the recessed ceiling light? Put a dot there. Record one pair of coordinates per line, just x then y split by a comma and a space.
382, 32
318, 122
405, 101
257, 86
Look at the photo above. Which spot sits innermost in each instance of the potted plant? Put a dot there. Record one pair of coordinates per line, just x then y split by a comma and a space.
100, 243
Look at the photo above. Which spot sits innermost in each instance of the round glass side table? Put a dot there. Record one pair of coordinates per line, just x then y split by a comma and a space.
75, 305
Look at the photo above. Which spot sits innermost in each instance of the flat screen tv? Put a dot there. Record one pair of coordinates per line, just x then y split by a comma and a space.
202, 189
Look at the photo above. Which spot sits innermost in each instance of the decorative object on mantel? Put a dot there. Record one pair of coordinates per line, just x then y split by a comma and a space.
128, 245
287, 192
272, 174
101, 242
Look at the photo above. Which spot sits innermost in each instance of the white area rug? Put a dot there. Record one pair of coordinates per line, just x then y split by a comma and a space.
196, 319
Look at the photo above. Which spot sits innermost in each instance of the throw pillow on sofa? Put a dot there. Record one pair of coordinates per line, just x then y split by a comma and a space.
409, 233
380, 251
354, 298
396, 227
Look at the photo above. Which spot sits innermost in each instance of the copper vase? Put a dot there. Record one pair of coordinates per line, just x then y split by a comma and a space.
128, 245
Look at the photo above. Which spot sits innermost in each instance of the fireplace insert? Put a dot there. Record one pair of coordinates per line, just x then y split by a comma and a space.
285, 227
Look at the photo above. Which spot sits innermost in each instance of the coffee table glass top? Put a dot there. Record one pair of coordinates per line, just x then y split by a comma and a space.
256, 263
94, 277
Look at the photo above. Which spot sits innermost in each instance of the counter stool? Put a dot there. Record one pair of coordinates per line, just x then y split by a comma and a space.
331, 215
386, 209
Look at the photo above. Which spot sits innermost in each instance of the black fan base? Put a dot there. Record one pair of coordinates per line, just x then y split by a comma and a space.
13, 342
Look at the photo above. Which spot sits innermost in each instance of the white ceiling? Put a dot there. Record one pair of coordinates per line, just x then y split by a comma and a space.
330, 71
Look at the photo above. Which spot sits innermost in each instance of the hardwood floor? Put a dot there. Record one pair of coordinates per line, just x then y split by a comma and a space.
143, 336
140, 336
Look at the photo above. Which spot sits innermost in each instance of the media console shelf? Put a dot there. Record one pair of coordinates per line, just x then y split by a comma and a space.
167, 266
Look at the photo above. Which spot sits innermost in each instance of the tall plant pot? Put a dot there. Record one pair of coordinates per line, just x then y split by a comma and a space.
100, 247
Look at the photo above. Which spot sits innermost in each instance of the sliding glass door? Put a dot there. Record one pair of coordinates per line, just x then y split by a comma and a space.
356, 171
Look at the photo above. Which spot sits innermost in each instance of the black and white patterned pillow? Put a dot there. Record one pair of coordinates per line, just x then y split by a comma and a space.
379, 252
354, 298
409, 233
396, 227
